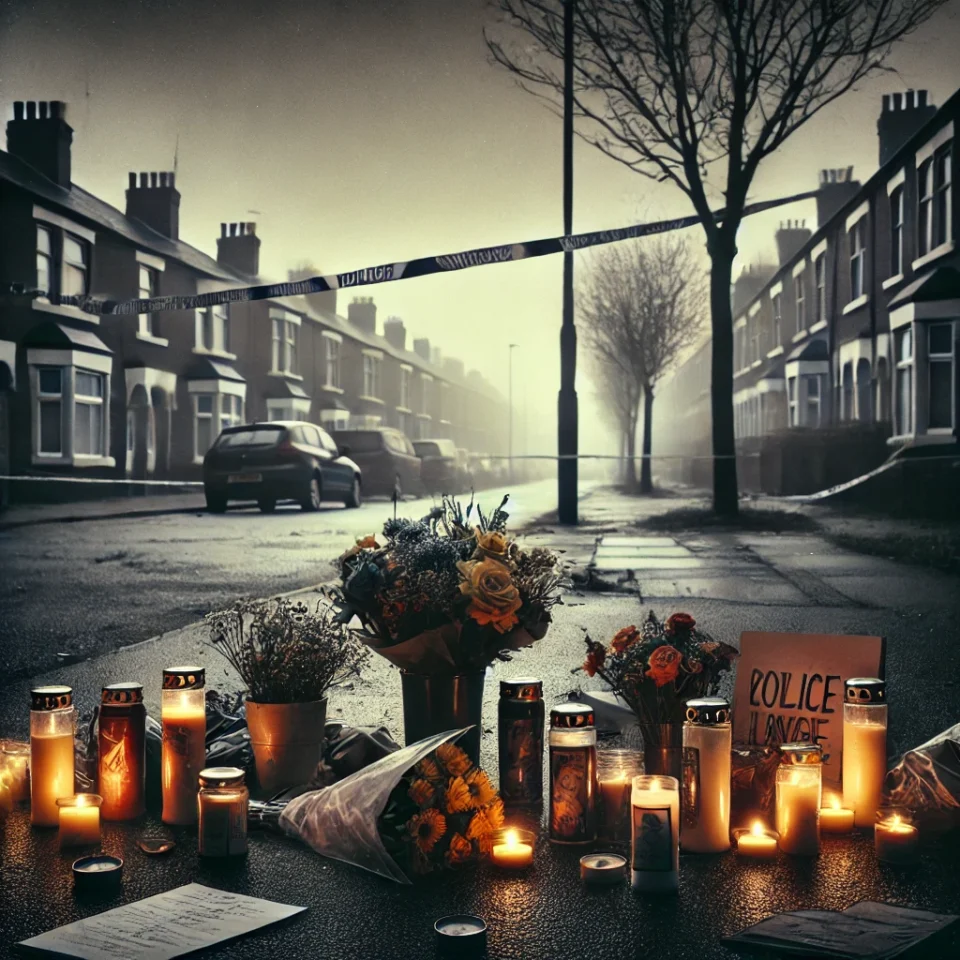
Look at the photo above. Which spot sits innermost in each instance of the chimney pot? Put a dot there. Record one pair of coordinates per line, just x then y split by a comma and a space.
43, 109
18, 110
886, 103
833, 176
897, 100
143, 180
252, 228
909, 105
153, 180
921, 98
31, 110
163, 179
223, 229
155, 202
850, 174
171, 179
132, 181
57, 110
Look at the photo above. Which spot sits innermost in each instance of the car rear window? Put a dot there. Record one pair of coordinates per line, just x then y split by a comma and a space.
360, 441
427, 449
254, 437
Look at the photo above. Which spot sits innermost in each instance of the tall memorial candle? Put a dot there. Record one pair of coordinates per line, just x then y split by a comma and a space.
184, 753
655, 851
799, 798
705, 800
52, 724
864, 747
122, 748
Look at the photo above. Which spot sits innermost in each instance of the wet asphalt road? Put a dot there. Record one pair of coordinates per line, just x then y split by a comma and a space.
87, 588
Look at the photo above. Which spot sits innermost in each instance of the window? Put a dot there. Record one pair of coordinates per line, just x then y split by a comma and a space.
231, 410
857, 235
371, 376
50, 400
777, 318
290, 359
925, 207
208, 408
333, 363
213, 329
801, 304
148, 290
941, 376
74, 277
426, 395
406, 376
896, 232
55, 248
792, 400
754, 338
88, 420
812, 384
820, 282
846, 386
904, 382
44, 258
941, 195
285, 346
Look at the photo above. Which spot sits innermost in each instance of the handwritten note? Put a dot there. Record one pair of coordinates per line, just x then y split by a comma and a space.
168, 925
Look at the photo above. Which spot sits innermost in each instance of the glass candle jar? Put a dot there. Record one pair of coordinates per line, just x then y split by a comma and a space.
616, 770
80, 820
222, 812
705, 788
864, 747
520, 717
52, 726
799, 795
15, 769
184, 752
573, 774
655, 850
895, 837
122, 743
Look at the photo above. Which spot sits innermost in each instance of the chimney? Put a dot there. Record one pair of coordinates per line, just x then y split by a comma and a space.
897, 124
836, 188
40, 136
156, 201
791, 236
395, 333
362, 313
238, 248
421, 348
750, 282
453, 367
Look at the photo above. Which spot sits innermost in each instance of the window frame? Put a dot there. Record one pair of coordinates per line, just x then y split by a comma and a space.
800, 299
925, 207
896, 201
332, 364
903, 375
41, 397
148, 321
58, 262
371, 376
941, 358
941, 220
857, 241
820, 285
777, 308
811, 401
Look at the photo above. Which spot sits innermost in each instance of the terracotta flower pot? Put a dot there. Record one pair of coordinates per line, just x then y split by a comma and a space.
287, 741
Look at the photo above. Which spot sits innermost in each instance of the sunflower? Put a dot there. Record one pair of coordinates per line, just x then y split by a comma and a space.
460, 851
427, 828
421, 792
428, 769
494, 813
481, 790
454, 759
458, 796
480, 826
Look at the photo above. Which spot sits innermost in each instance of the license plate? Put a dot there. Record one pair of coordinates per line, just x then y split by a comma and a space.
244, 478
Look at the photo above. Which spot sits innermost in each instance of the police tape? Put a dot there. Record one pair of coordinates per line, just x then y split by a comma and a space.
402, 270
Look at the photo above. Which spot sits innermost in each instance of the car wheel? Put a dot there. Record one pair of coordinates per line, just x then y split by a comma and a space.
216, 502
354, 498
267, 505
312, 501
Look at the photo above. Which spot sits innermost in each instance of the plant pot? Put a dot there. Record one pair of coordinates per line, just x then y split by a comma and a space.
435, 703
663, 749
287, 741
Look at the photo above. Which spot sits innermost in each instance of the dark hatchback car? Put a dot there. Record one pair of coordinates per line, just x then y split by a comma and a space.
438, 465
278, 460
387, 459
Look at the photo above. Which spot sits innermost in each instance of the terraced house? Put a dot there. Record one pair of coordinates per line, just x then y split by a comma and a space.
847, 349
144, 398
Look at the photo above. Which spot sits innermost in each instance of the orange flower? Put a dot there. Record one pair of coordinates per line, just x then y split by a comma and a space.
460, 851
595, 659
494, 599
710, 646
664, 665
480, 826
494, 813
454, 759
679, 623
693, 666
421, 792
481, 790
458, 798
625, 639
428, 768
427, 828
492, 544
368, 542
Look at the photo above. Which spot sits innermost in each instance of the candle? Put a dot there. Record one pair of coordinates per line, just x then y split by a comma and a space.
461, 936
615, 772
15, 760
603, 868
80, 820
6, 797
895, 840
184, 751
98, 874
222, 808
656, 834
756, 843
122, 751
864, 747
513, 849
799, 790
573, 774
52, 721
706, 781
835, 818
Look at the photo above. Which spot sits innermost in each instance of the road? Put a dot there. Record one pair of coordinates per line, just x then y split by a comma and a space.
84, 589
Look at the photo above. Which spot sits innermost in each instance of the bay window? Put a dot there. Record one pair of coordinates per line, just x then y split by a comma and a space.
70, 413
903, 340
941, 376
214, 412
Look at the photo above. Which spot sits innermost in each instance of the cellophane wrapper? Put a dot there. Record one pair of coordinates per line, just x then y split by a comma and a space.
340, 821
926, 780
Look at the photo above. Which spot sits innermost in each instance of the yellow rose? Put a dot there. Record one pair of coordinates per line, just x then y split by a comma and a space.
492, 545
494, 598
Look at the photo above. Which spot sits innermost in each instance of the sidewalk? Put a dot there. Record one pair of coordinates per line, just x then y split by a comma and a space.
30, 514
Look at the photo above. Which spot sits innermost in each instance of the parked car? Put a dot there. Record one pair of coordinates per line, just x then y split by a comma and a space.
279, 460
438, 465
387, 459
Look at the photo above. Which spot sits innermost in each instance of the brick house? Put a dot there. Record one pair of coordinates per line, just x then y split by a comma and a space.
847, 348
143, 398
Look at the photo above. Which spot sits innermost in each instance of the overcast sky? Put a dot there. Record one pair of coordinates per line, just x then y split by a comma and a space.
368, 131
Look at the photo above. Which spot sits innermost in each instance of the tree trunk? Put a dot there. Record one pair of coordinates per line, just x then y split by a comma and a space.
646, 471
630, 481
725, 497
622, 467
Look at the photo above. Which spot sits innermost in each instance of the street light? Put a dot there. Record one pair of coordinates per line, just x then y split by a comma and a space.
511, 348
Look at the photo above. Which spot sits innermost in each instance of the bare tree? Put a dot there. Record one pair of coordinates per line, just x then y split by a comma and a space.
684, 91
641, 305
618, 407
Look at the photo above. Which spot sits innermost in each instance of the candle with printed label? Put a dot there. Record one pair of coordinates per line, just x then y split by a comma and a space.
184, 752
655, 850
705, 823
121, 737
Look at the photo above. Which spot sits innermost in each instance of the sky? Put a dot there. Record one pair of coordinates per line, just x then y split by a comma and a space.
372, 131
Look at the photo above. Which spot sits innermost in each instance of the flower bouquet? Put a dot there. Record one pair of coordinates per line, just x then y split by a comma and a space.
424, 808
655, 669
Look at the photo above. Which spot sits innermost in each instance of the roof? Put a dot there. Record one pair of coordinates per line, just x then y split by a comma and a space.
61, 336
942, 284
206, 369
813, 350
285, 390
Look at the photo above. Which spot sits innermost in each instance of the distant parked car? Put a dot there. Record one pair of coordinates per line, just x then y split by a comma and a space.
387, 459
438, 465
279, 460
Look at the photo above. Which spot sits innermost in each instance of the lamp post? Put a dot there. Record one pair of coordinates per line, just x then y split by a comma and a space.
512, 347
567, 414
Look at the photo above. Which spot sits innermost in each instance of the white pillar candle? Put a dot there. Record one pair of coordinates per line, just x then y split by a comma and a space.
706, 776
183, 752
80, 820
799, 797
864, 748
52, 720
655, 849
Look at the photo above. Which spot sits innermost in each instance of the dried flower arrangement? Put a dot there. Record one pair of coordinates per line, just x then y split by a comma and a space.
443, 595
282, 651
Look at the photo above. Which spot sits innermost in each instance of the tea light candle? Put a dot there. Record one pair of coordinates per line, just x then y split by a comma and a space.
99, 874
756, 843
513, 849
15, 764
80, 820
605, 868
895, 840
835, 818
655, 849
461, 935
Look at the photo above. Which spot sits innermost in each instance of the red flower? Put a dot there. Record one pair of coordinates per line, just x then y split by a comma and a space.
595, 658
625, 639
664, 665
679, 623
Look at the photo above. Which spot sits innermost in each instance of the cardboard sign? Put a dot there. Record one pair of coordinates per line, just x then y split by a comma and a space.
789, 688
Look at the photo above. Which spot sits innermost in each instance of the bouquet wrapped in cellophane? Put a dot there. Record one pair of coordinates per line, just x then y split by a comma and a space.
425, 807
444, 595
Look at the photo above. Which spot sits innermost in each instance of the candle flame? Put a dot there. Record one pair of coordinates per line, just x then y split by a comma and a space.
81, 800
836, 803
512, 839
757, 829
896, 820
